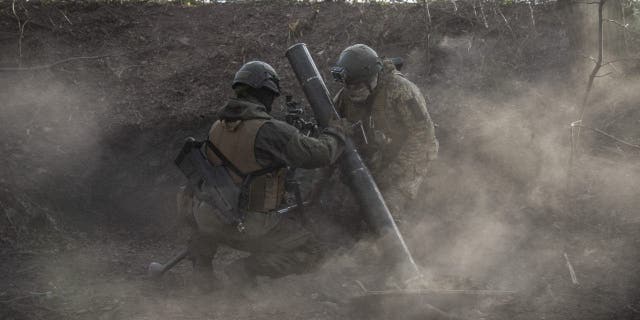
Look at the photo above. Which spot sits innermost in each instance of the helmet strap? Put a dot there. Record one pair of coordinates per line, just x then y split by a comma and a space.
373, 83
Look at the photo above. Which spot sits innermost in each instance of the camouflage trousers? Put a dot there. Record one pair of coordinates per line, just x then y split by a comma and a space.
278, 244
399, 193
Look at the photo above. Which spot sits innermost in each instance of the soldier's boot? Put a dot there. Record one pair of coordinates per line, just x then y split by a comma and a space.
202, 250
203, 278
240, 276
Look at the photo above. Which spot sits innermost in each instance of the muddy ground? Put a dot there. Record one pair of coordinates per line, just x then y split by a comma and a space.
97, 97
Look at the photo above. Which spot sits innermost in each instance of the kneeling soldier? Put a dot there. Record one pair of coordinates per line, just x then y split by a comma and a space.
252, 141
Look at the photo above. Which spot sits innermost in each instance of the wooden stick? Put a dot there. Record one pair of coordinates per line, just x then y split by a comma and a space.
572, 272
47, 66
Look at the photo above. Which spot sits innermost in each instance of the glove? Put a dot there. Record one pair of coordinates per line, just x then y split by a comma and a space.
339, 128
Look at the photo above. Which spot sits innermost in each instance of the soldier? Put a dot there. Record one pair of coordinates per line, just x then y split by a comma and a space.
391, 125
250, 139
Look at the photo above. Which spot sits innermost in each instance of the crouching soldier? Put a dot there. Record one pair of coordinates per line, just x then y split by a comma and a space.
392, 127
248, 140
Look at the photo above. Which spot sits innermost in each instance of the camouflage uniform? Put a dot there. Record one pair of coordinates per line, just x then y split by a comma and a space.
400, 138
278, 244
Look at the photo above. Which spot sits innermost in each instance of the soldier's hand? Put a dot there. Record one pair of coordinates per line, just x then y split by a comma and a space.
342, 126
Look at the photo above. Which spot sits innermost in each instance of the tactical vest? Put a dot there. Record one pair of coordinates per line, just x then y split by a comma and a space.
236, 141
377, 117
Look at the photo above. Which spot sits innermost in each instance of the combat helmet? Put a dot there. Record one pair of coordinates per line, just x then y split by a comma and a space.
258, 74
357, 63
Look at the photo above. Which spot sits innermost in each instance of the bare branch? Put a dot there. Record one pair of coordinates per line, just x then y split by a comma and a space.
586, 2
590, 58
603, 75
598, 65
427, 37
47, 66
623, 26
578, 124
427, 11
533, 19
484, 16
65, 17
624, 35
506, 22
621, 59
21, 26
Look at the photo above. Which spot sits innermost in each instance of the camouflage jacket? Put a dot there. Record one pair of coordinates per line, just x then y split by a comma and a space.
393, 131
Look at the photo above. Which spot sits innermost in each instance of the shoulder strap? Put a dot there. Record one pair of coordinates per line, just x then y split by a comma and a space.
235, 169
224, 159
263, 171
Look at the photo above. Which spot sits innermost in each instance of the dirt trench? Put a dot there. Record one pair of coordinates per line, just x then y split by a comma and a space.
143, 73
88, 183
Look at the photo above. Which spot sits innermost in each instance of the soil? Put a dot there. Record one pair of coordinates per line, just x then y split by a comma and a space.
100, 95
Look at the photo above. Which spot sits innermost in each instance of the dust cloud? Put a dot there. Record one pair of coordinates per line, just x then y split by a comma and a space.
501, 210
51, 132
498, 211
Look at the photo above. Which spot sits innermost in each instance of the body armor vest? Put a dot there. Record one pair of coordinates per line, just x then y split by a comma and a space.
236, 141
378, 119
